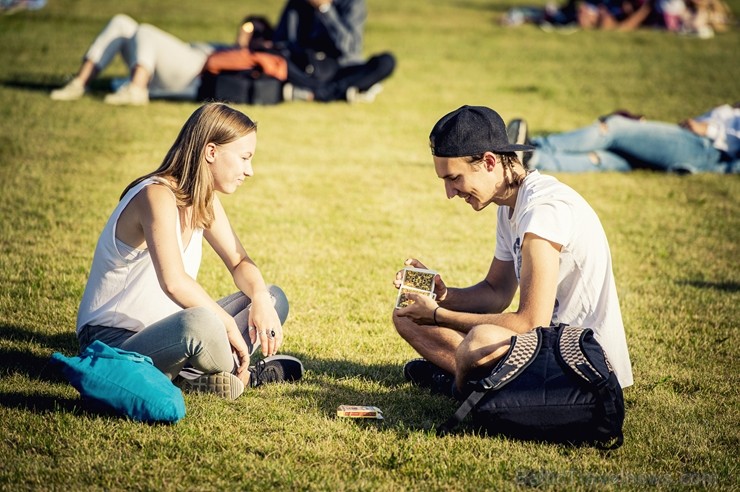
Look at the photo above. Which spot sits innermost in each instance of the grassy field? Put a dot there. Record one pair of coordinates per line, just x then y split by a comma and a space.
341, 196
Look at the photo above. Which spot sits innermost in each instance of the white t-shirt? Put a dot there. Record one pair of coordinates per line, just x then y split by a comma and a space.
586, 293
122, 290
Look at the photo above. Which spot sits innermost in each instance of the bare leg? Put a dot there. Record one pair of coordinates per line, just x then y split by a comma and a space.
483, 346
434, 343
140, 77
87, 72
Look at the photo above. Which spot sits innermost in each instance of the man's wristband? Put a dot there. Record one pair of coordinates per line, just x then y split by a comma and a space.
434, 316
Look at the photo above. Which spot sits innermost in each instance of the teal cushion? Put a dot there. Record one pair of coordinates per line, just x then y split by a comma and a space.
126, 382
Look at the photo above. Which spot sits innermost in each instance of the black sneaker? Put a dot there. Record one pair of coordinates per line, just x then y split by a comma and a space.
422, 373
517, 132
275, 369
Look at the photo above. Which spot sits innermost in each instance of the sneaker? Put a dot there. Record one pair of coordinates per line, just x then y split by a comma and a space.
424, 374
223, 384
354, 95
128, 95
517, 132
275, 369
73, 91
293, 93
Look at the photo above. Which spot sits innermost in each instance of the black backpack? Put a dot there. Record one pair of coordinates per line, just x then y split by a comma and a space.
555, 384
240, 87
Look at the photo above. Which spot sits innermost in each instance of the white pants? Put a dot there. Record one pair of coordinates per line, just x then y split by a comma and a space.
174, 65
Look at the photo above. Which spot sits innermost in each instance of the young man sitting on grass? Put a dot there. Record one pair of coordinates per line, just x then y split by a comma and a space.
549, 243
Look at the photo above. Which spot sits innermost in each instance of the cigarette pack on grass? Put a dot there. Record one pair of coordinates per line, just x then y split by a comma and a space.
359, 412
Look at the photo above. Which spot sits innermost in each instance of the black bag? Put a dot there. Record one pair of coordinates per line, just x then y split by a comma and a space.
240, 87
555, 384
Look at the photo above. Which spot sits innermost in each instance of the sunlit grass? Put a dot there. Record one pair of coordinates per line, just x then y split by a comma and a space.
341, 196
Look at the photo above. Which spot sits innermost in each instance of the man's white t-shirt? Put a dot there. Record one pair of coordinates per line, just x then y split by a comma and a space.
586, 293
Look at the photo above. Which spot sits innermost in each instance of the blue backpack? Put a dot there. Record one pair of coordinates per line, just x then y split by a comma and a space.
555, 384
126, 382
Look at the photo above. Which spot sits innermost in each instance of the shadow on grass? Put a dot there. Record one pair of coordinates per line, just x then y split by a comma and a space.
731, 287
26, 361
101, 84
333, 382
45, 404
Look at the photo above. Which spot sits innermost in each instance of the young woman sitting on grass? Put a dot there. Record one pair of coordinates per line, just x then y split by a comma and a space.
142, 294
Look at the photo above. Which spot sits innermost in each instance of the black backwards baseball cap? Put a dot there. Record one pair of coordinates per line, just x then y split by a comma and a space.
471, 130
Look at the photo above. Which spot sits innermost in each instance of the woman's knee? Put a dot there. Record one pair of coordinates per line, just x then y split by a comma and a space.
124, 24
202, 324
281, 302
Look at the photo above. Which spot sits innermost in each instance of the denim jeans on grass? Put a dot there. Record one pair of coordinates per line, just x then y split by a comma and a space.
626, 143
193, 337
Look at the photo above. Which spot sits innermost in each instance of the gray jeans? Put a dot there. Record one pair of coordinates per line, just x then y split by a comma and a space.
193, 337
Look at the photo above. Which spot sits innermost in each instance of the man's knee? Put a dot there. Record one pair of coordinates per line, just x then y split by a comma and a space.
401, 324
383, 64
482, 347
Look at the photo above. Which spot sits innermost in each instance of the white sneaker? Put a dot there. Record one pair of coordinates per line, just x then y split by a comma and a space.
73, 91
294, 93
354, 95
128, 95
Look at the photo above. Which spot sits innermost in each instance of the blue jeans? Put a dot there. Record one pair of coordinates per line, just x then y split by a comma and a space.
194, 337
621, 144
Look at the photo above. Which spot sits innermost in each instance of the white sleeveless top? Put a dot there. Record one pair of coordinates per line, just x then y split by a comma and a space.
122, 290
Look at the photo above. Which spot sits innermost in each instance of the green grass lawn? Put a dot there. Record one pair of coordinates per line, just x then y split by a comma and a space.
341, 196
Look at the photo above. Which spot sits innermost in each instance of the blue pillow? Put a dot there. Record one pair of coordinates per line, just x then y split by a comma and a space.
127, 382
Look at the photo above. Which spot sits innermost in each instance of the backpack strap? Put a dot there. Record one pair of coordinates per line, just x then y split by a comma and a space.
524, 348
571, 350
569, 346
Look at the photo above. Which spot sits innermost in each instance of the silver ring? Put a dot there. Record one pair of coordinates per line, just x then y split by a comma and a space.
272, 334
263, 332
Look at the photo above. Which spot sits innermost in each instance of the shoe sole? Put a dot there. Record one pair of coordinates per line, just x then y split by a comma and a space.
223, 384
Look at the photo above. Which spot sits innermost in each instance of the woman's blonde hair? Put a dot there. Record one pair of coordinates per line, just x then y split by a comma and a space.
185, 168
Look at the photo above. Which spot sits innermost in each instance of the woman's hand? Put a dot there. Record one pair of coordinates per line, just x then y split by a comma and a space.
266, 323
242, 372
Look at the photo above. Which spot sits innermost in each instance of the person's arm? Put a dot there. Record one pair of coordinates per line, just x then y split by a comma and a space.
463, 308
491, 295
538, 287
248, 278
345, 22
721, 125
157, 213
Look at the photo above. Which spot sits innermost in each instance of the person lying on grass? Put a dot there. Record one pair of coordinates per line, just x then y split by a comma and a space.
142, 294
621, 142
549, 244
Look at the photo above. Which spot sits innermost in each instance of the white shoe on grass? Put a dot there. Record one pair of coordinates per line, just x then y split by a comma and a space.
73, 91
128, 95
354, 95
